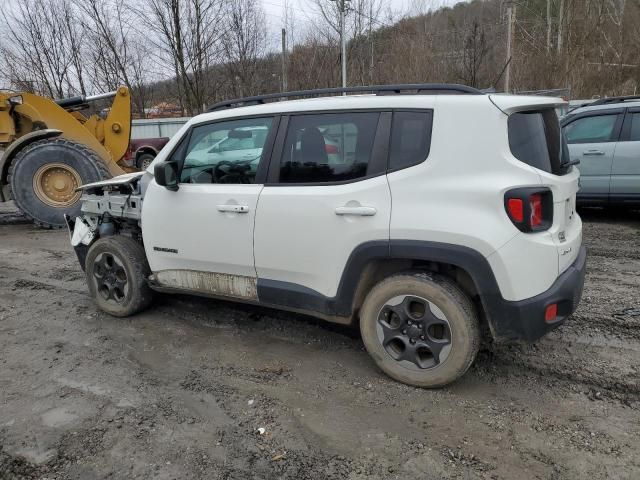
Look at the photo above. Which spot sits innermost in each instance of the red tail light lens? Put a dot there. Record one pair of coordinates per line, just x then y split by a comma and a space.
551, 312
535, 204
330, 148
530, 209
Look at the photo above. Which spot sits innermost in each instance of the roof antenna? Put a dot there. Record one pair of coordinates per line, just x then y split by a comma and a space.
492, 88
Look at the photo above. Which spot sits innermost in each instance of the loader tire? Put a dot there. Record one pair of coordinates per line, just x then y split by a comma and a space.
44, 175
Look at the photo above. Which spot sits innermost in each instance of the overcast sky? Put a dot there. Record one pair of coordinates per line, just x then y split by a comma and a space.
304, 10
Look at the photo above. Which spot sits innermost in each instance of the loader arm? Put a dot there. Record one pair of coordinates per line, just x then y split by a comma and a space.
108, 138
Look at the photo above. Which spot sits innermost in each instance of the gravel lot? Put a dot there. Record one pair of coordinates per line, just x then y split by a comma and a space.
181, 390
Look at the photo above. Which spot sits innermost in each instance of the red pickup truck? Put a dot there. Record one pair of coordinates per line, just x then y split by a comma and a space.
142, 151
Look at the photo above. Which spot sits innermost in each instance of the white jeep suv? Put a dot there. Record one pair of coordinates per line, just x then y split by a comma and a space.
437, 211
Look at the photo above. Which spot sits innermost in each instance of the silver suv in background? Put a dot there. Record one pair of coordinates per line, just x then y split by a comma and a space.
604, 137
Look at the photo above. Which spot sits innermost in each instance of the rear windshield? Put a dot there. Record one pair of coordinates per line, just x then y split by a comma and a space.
535, 138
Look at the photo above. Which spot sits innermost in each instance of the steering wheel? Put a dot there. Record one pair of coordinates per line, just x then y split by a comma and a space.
236, 172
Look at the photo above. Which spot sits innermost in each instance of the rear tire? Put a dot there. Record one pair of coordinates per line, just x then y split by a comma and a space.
117, 272
43, 177
420, 329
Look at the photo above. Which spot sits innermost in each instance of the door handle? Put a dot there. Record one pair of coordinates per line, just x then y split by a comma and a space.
233, 208
593, 152
362, 211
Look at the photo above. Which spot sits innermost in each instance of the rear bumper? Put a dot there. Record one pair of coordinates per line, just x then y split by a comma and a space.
524, 319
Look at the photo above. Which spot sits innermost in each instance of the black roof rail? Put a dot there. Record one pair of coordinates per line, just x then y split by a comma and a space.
419, 88
608, 100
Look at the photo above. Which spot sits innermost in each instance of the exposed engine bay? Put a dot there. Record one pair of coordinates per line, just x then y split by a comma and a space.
110, 207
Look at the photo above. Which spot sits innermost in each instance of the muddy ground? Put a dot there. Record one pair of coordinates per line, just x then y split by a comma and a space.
181, 390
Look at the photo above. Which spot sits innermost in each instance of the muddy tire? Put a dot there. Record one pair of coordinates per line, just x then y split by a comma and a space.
117, 269
420, 329
44, 175
144, 161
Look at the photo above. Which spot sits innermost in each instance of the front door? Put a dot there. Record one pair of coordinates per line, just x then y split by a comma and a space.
592, 140
200, 237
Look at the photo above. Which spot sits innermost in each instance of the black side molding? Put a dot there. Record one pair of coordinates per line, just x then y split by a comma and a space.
290, 295
508, 320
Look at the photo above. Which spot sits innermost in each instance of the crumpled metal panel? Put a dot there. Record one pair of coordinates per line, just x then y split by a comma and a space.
206, 282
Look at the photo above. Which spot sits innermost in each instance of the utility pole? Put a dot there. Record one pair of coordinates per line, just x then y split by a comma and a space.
548, 26
371, 41
511, 17
560, 25
342, 8
284, 61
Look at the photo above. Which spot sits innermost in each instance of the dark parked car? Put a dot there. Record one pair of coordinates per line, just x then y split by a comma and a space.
142, 151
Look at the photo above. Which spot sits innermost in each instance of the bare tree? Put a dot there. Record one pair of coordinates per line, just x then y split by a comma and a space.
244, 45
189, 35
41, 49
473, 55
362, 17
115, 49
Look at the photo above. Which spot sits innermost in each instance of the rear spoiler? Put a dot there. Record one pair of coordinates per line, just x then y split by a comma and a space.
509, 104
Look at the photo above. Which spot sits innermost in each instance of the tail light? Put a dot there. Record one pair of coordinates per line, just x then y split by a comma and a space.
328, 148
530, 209
129, 153
535, 202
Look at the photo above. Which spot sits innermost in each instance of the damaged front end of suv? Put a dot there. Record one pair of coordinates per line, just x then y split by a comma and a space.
110, 207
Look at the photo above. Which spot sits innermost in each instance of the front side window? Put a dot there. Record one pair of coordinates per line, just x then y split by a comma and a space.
225, 152
596, 129
330, 147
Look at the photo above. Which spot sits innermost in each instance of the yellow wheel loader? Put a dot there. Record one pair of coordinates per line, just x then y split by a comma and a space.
48, 149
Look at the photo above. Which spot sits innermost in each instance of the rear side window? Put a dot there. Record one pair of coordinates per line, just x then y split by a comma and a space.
329, 147
596, 129
410, 139
634, 134
535, 138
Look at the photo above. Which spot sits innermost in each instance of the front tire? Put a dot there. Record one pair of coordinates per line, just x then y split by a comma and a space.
420, 329
117, 271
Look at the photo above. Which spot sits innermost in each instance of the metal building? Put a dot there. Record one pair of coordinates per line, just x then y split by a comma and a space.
156, 127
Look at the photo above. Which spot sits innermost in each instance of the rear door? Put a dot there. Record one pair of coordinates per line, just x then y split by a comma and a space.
327, 194
592, 138
625, 172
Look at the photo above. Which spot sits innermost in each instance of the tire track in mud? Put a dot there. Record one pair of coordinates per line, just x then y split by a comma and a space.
592, 324
524, 361
577, 367
610, 252
253, 453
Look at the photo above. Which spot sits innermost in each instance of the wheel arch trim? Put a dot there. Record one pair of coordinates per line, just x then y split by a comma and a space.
146, 149
291, 295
